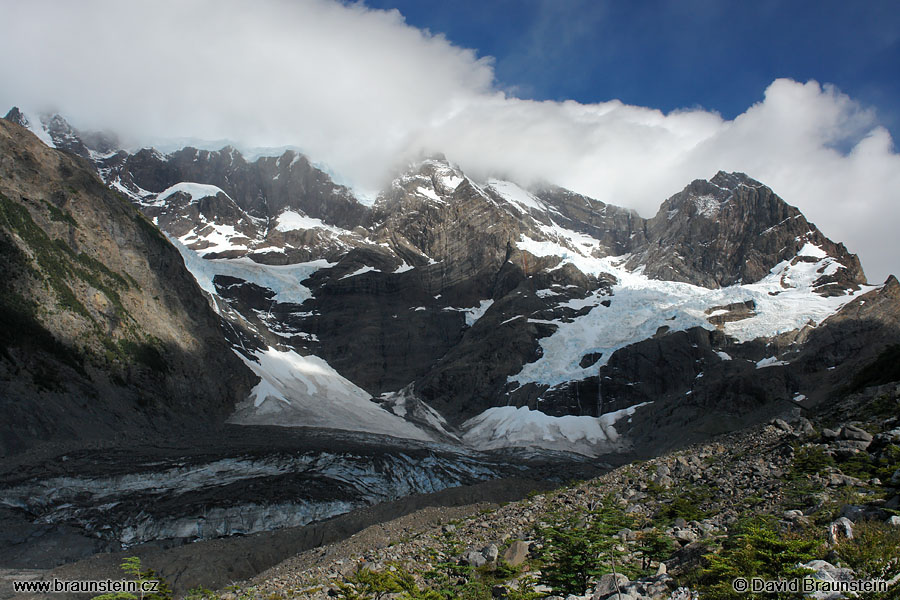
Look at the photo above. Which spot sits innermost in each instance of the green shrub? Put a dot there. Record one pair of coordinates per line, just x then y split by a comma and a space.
810, 460
756, 549
874, 551
685, 504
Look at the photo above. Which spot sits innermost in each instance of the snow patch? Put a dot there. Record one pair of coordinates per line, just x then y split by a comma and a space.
195, 190
523, 201
429, 193
360, 271
473, 314
305, 391
770, 361
810, 249
785, 300
285, 280
293, 221
508, 426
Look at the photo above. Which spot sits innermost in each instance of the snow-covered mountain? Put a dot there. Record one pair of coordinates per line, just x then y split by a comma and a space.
484, 314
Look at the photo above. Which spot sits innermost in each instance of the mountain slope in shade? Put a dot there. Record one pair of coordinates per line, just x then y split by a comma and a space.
106, 333
473, 301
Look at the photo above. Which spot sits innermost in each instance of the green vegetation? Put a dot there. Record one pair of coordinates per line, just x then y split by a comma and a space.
18, 315
152, 231
874, 551
55, 263
58, 262
755, 548
580, 547
465, 583
59, 215
685, 504
810, 460
146, 354
366, 584
132, 566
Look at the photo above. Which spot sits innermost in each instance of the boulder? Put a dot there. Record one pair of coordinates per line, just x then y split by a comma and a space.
473, 558
607, 584
490, 553
840, 530
852, 432
517, 553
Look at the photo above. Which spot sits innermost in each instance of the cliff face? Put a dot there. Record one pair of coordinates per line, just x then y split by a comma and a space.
501, 316
732, 229
106, 334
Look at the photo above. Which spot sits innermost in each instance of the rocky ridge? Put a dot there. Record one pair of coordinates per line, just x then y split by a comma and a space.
485, 307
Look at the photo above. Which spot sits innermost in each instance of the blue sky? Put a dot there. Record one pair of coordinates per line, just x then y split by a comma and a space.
716, 54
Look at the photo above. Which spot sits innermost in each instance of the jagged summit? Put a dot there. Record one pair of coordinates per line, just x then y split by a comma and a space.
733, 229
55, 131
531, 317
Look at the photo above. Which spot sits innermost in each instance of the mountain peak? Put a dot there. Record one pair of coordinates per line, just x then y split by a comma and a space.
733, 180
733, 229
17, 116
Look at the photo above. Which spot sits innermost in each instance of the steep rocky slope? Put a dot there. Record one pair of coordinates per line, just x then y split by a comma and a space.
105, 332
484, 312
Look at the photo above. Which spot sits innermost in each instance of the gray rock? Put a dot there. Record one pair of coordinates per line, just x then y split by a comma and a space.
893, 521
825, 571
473, 558
829, 434
517, 553
685, 536
806, 427
840, 530
490, 553
607, 584
664, 480
852, 432
863, 513
839, 479
782, 425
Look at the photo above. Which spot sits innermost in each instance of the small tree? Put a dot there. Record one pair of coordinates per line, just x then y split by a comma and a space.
653, 546
579, 547
132, 566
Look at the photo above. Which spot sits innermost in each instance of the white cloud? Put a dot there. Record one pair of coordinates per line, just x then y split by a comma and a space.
363, 92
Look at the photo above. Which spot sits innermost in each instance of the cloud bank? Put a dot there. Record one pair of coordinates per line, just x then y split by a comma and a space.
363, 92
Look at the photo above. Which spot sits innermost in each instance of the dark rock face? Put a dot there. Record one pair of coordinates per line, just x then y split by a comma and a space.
447, 288
731, 230
619, 230
263, 189
105, 331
